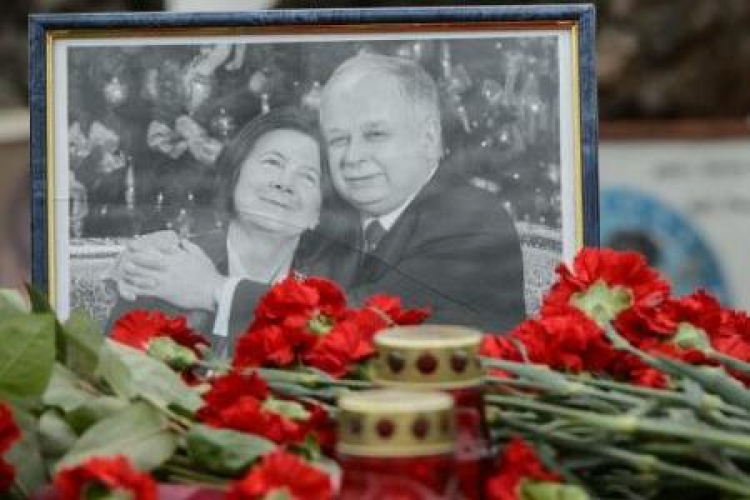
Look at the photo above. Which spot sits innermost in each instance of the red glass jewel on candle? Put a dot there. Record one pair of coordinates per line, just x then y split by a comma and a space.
445, 358
397, 445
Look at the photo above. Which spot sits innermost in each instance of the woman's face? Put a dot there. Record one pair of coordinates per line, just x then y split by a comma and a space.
278, 188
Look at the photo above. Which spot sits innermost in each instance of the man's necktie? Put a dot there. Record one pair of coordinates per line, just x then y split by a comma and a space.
373, 234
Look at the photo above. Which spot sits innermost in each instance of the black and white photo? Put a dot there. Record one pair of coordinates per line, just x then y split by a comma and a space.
193, 172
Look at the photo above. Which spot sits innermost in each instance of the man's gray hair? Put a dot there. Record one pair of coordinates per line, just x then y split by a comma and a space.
417, 86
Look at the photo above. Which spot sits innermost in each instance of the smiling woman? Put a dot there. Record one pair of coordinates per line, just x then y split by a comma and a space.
270, 178
278, 189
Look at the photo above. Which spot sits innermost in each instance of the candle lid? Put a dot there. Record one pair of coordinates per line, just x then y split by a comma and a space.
395, 423
428, 357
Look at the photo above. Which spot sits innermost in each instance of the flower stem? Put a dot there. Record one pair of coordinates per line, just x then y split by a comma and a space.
729, 361
21, 488
187, 475
640, 461
630, 424
570, 388
308, 378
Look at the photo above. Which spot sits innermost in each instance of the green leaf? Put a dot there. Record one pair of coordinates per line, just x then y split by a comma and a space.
601, 302
691, 337
140, 432
25, 454
12, 301
27, 353
223, 451
84, 338
63, 390
55, 435
541, 490
94, 410
289, 409
132, 373
40, 305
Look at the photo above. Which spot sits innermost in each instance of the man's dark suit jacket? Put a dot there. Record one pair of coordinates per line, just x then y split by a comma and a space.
454, 249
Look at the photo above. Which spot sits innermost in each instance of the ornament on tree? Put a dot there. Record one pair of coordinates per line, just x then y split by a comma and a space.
115, 91
445, 59
198, 89
262, 81
454, 86
459, 80
531, 107
223, 124
259, 82
492, 92
513, 63
311, 98
419, 50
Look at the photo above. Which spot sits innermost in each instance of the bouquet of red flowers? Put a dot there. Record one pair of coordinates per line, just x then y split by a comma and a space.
634, 393
616, 389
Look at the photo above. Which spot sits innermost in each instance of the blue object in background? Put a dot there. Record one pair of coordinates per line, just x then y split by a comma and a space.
633, 220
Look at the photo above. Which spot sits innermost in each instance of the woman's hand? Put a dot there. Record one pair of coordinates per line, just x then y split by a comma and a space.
183, 276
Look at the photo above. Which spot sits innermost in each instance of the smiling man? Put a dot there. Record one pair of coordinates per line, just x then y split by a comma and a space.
427, 235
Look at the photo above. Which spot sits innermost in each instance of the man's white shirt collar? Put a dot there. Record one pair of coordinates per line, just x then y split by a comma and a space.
389, 220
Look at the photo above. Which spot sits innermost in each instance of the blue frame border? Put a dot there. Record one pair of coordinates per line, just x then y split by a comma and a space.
582, 14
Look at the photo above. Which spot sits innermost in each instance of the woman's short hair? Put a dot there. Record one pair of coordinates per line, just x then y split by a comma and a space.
233, 156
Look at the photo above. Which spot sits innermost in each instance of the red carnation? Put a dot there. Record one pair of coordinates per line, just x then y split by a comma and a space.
238, 402
311, 305
629, 367
289, 320
572, 342
732, 338
308, 321
106, 473
568, 341
611, 286
282, 472
139, 327
390, 310
9, 434
347, 343
248, 415
227, 388
264, 345
517, 463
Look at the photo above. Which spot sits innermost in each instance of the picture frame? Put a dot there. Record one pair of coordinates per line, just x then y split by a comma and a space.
674, 191
517, 117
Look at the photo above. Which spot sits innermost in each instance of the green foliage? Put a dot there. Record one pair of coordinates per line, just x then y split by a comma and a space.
40, 305
94, 410
55, 435
64, 390
11, 301
533, 490
225, 452
290, 409
83, 338
601, 302
132, 374
31, 472
139, 431
27, 353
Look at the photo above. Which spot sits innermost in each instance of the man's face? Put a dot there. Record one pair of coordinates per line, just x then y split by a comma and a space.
380, 153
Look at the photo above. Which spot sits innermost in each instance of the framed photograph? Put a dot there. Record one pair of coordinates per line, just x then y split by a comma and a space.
677, 193
185, 162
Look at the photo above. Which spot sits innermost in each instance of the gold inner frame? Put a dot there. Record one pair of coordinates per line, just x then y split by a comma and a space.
51, 36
